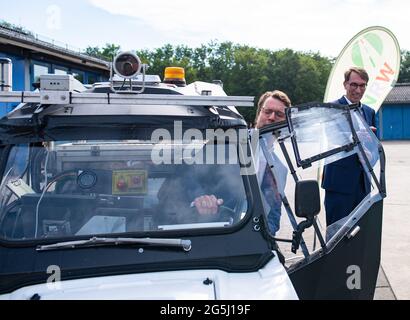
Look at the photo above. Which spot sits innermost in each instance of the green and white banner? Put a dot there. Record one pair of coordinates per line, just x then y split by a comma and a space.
376, 50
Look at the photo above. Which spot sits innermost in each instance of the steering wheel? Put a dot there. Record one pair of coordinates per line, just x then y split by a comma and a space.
235, 212
228, 209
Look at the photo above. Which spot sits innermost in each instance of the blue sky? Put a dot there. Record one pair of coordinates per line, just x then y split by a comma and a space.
323, 26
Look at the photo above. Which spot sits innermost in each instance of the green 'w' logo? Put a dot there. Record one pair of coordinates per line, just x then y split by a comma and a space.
374, 41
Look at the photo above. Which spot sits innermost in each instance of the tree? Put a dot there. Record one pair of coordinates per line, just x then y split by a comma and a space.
106, 53
93, 51
404, 75
16, 28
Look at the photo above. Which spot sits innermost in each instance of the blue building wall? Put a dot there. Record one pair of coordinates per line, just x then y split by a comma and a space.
395, 122
21, 73
18, 80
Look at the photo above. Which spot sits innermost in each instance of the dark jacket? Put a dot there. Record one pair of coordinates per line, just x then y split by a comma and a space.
344, 175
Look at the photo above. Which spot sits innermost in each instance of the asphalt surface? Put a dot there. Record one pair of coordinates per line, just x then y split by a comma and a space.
394, 278
384, 290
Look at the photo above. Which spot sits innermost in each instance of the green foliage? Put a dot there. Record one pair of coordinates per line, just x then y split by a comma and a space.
404, 75
16, 28
106, 53
110, 51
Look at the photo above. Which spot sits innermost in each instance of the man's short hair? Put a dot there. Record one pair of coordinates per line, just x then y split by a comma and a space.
277, 94
360, 71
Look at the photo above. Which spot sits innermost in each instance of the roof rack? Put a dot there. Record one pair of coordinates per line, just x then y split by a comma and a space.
68, 97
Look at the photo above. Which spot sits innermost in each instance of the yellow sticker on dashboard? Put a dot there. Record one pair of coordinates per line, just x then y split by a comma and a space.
129, 182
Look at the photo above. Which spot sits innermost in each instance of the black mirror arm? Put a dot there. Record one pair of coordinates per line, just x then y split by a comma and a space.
297, 234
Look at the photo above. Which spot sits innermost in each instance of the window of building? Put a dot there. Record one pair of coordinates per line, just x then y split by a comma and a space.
79, 75
60, 71
38, 70
93, 78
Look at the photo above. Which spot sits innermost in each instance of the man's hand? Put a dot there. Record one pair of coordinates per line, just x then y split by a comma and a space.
207, 204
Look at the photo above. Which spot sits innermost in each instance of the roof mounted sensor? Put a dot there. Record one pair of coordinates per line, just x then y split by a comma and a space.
128, 65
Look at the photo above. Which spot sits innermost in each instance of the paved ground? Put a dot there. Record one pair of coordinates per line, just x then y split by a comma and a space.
396, 224
384, 290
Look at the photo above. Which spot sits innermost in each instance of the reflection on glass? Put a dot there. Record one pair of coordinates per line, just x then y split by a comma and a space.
367, 138
39, 70
78, 75
318, 130
60, 71
92, 78
272, 175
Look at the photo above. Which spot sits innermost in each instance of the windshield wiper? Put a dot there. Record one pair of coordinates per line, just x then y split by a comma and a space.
95, 241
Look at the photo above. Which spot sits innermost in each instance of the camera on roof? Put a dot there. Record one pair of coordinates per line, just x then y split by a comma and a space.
127, 65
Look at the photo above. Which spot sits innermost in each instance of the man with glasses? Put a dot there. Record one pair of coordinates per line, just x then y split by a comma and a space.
355, 85
271, 109
344, 180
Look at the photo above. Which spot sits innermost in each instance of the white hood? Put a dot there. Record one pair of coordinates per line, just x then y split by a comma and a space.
271, 282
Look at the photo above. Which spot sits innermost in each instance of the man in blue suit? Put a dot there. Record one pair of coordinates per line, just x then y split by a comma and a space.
345, 181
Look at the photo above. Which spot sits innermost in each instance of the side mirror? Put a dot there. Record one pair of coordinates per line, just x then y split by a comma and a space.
307, 205
307, 199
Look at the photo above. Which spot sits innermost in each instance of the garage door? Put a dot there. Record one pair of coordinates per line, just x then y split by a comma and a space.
396, 122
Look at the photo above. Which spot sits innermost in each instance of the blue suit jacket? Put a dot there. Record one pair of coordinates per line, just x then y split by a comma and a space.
344, 175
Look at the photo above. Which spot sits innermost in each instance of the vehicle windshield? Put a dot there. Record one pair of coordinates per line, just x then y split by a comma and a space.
75, 188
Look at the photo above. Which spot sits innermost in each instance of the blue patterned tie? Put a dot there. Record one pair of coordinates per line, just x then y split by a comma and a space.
271, 193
